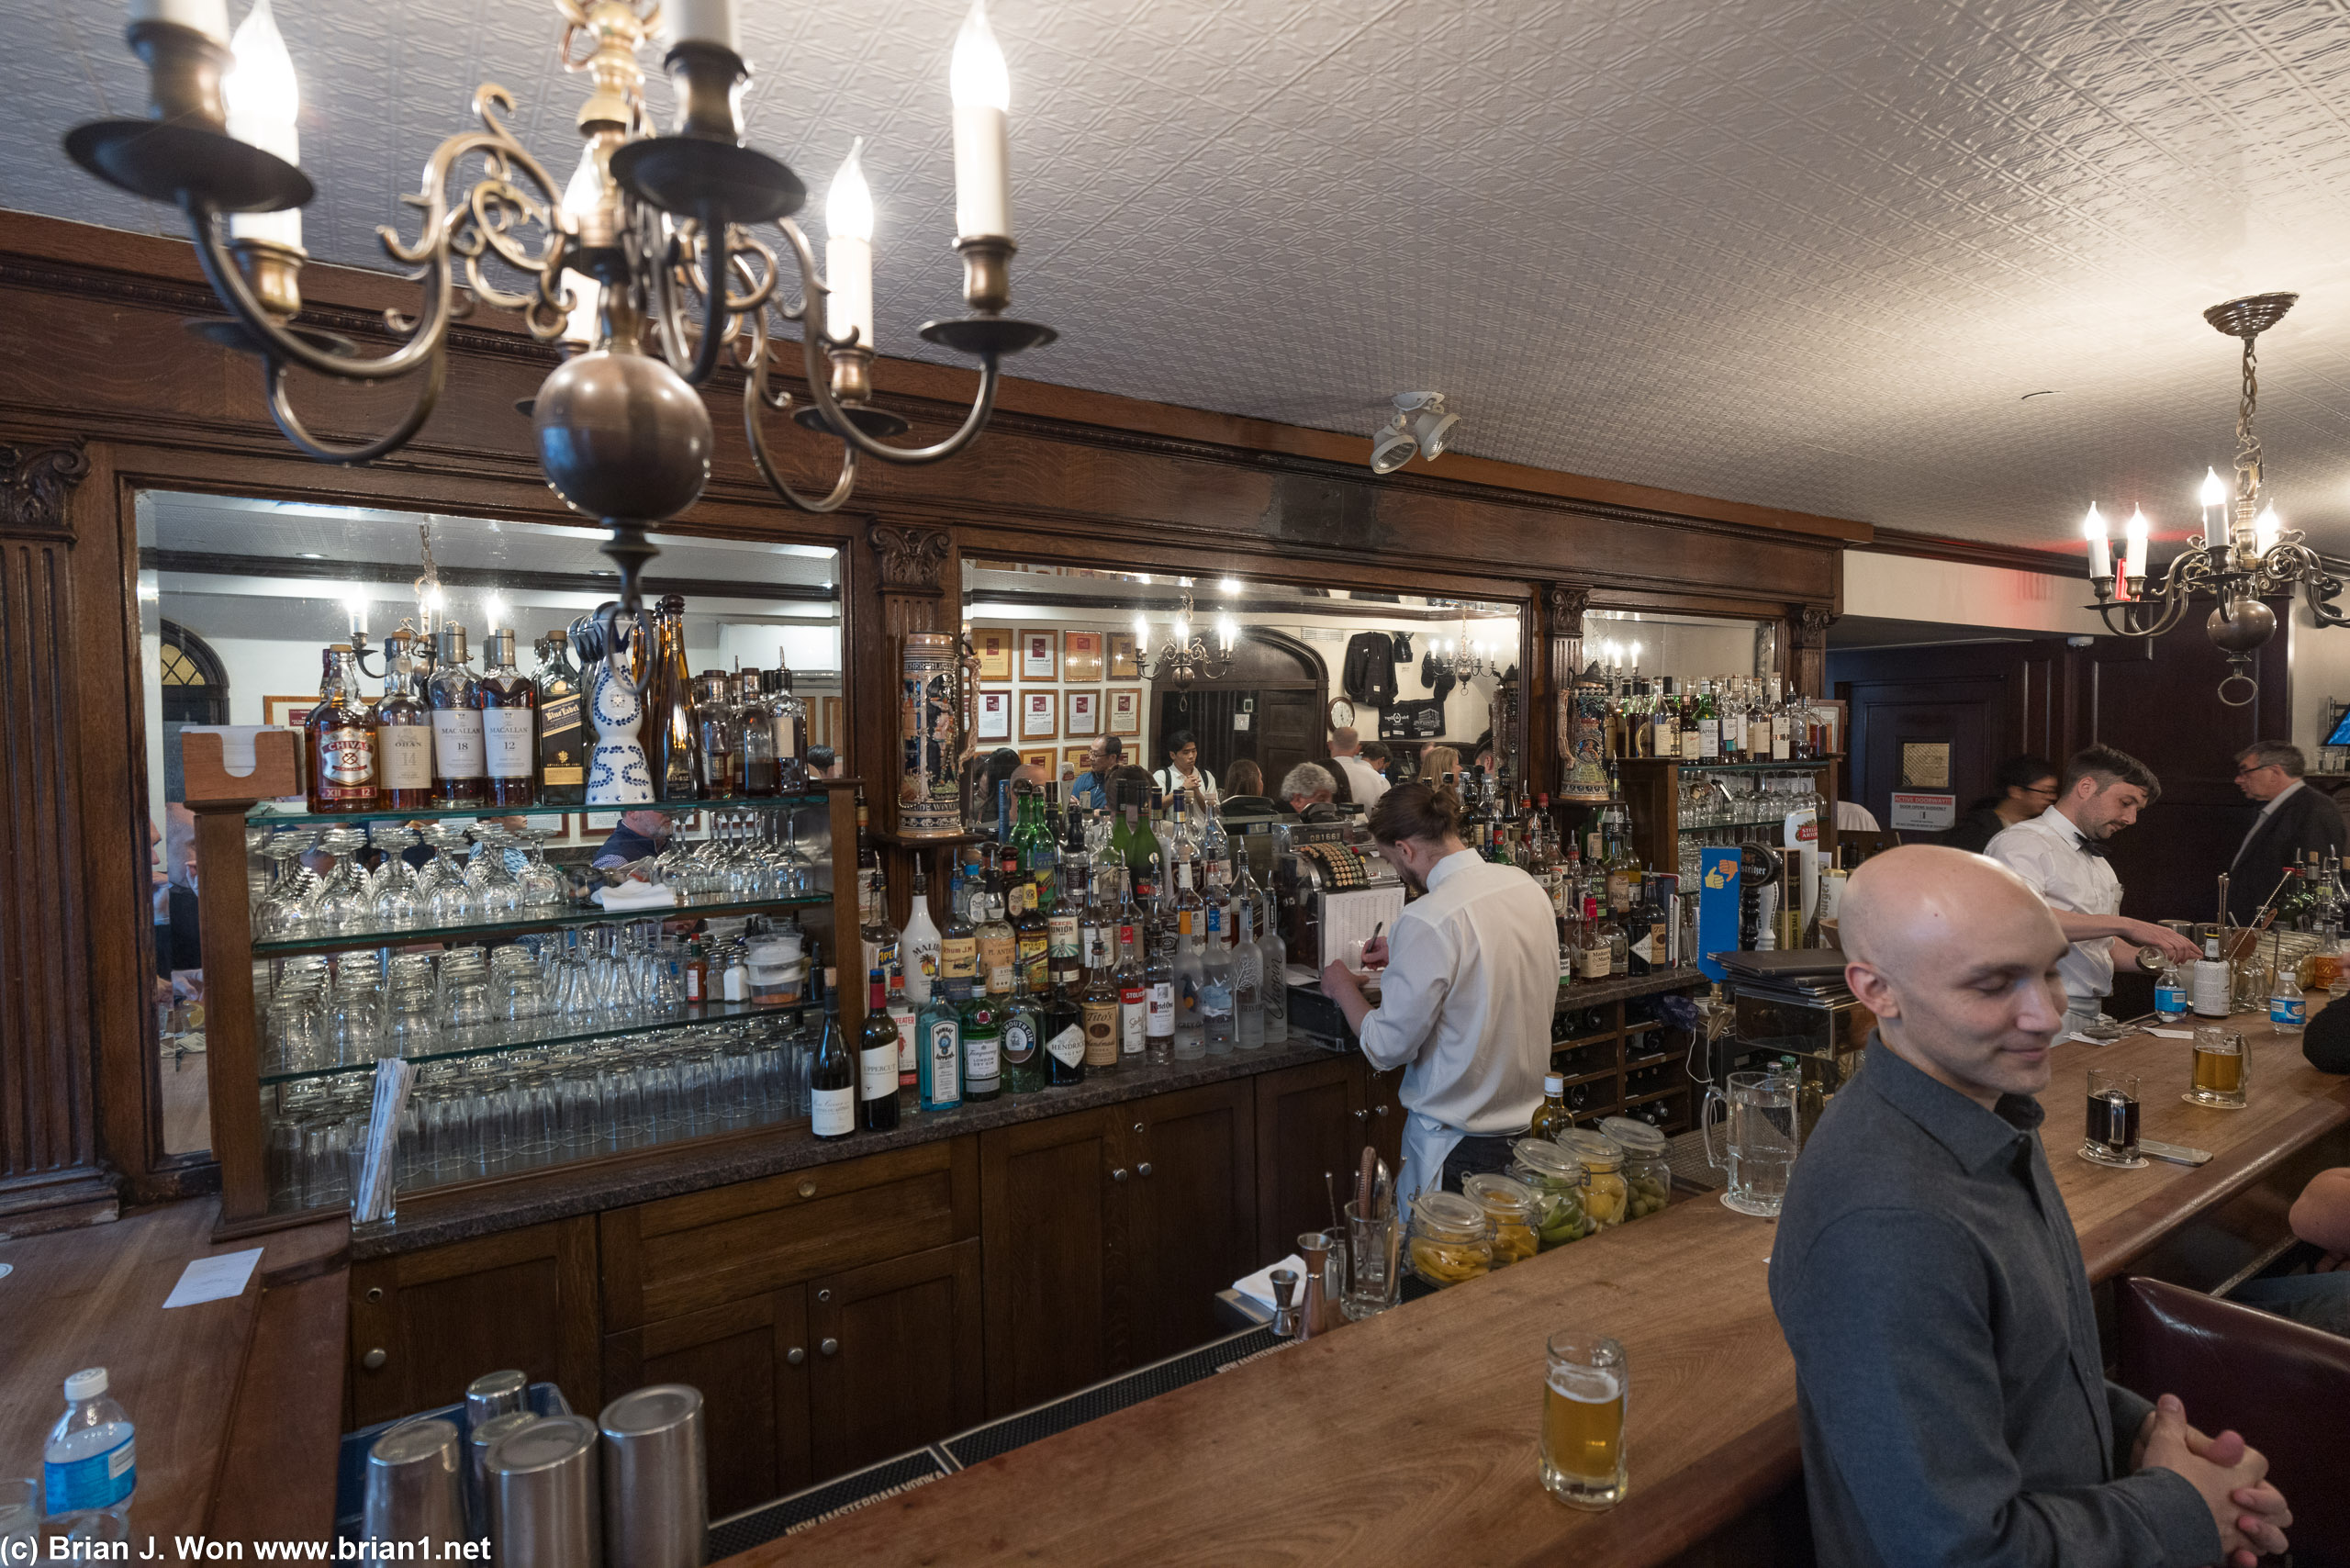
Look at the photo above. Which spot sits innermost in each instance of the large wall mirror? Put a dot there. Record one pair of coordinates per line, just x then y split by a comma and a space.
238, 598
1072, 659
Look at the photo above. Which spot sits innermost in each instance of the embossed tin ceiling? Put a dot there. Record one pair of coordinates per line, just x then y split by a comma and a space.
1809, 254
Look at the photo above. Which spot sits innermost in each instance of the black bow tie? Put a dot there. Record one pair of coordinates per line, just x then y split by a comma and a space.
2089, 846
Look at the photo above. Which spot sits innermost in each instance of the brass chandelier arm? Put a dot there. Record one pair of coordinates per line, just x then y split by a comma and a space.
696, 357
281, 409
228, 280
757, 396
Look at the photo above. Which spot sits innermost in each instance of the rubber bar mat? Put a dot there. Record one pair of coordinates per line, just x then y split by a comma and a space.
802, 1510
1090, 1403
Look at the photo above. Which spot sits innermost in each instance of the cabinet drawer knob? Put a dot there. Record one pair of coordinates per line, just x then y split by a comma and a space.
794, 1356
373, 1360
828, 1347
807, 1189
825, 1295
1119, 1174
374, 1292
1144, 1169
1360, 1114
1379, 1110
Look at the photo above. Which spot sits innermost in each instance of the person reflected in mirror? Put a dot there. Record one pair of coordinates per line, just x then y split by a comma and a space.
1364, 783
2026, 785
1091, 789
1440, 768
638, 836
1245, 796
1310, 794
2294, 819
1183, 770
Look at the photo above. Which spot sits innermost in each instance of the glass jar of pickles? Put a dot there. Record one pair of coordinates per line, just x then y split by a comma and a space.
1509, 1216
1555, 1178
1449, 1241
1606, 1198
1647, 1175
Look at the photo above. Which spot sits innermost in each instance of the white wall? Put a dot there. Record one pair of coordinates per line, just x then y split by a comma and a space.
1907, 587
2319, 669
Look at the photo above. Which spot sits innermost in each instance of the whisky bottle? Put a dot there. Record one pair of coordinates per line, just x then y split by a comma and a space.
716, 736
669, 733
755, 774
508, 725
563, 741
403, 735
342, 748
788, 717
459, 776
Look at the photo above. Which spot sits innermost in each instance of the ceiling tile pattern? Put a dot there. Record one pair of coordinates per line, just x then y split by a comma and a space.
1810, 253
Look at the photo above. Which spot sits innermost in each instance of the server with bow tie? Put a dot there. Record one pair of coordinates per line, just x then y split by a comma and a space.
2060, 852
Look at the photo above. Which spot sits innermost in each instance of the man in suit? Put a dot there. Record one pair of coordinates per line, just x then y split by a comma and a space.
2293, 818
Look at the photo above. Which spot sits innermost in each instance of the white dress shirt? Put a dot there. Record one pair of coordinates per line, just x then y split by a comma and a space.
2047, 851
1366, 781
1465, 1004
2267, 810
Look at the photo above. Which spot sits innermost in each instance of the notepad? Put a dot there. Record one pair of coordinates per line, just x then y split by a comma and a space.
213, 1278
1353, 915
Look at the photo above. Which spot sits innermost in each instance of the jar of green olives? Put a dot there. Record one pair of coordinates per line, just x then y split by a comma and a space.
1648, 1176
1606, 1198
1555, 1178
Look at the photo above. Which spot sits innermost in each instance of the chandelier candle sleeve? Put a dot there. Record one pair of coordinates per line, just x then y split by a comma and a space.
701, 21
2213, 498
982, 93
210, 17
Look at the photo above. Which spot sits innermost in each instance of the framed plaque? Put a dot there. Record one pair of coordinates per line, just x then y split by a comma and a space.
1040, 715
1084, 711
994, 721
1126, 710
1040, 655
1080, 656
993, 645
1124, 664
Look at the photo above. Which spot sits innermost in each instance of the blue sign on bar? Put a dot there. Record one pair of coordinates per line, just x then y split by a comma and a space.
1717, 895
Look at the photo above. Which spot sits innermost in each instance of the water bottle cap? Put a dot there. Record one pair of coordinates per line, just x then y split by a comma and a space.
87, 1384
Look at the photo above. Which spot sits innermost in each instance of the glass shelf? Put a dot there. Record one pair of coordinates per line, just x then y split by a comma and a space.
491, 1039
273, 813
1699, 827
1814, 766
520, 923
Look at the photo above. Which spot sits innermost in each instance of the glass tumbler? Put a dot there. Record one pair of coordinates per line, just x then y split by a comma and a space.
2222, 1071
2112, 1133
1584, 1395
1375, 1258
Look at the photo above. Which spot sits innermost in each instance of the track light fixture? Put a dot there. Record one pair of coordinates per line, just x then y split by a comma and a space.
1421, 427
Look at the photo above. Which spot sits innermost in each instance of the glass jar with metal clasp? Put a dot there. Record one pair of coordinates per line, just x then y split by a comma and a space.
1449, 1243
1606, 1197
1648, 1174
1555, 1178
1509, 1216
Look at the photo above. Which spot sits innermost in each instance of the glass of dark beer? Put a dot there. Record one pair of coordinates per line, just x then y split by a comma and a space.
2113, 1119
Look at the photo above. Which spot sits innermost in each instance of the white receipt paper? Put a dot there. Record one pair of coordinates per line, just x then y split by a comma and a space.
213, 1278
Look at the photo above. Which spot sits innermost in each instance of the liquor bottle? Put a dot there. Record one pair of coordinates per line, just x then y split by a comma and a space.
1064, 1037
459, 777
1095, 933
1216, 855
563, 741
1158, 1000
1134, 1000
832, 1081
1024, 1039
1693, 745
787, 718
1664, 722
1145, 854
1032, 930
1551, 1117
1189, 975
941, 1033
756, 775
904, 1018
876, 935
1218, 1029
1272, 955
403, 739
1248, 973
982, 1046
1782, 731
998, 945
877, 1059
340, 741
1709, 723
958, 948
717, 736
2213, 981
1100, 1008
509, 725
669, 730
920, 949
1596, 957
1064, 953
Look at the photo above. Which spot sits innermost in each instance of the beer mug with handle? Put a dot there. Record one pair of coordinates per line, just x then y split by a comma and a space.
1760, 1139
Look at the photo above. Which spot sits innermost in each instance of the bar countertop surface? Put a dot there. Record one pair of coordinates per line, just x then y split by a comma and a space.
1410, 1437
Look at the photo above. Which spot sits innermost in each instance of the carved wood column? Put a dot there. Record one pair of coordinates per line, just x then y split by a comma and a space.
1559, 659
1810, 624
917, 587
49, 1169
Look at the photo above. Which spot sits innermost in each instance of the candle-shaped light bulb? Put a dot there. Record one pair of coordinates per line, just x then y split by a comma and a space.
2214, 491
1142, 636
2100, 548
2135, 531
1183, 632
848, 249
493, 610
264, 101
1228, 632
2265, 530
981, 87
354, 604
2213, 496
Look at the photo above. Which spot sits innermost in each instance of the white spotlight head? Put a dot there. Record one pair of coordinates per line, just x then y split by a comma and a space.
1424, 413
1392, 448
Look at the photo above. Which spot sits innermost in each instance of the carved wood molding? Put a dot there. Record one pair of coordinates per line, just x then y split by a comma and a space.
33, 483
1566, 606
913, 560
1812, 622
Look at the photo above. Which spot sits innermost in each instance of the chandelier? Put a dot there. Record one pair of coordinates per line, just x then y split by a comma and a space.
2246, 554
1184, 657
648, 253
1466, 659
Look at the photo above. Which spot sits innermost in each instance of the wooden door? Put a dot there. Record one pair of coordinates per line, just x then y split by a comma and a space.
1309, 1127
1289, 731
425, 1324
751, 1361
1053, 1235
1383, 1111
1192, 1197
897, 1360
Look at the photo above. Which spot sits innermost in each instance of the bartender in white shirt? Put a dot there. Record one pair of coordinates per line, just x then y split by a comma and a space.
1471, 980
2060, 852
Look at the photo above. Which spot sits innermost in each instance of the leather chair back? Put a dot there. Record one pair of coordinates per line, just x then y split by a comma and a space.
2284, 1387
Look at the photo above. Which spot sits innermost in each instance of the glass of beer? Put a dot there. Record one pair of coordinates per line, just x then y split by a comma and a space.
1583, 1399
2113, 1120
2222, 1072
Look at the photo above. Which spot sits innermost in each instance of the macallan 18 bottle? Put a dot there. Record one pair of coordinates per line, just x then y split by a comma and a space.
340, 746
459, 777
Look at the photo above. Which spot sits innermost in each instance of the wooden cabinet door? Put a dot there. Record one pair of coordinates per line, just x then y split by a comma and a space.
897, 1360
1309, 1125
1052, 1227
1382, 1112
1193, 1206
751, 1360
424, 1324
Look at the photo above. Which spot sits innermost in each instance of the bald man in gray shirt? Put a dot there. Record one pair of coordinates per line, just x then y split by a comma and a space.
1949, 1384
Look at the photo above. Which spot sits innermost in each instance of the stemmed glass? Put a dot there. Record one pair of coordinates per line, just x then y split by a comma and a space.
286, 909
543, 885
344, 902
798, 872
452, 900
497, 892
396, 884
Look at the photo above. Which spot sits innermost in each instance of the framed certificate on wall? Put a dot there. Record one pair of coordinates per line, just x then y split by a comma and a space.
1040, 715
1126, 710
995, 712
1040, 655
1042, 757
1123, 665
1084, 712
993, 645
1080, 656
1073, 761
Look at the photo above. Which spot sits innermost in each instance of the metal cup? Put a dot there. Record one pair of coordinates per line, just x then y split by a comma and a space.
656, 1490
412, 1487
496, 1394
477, 1443
540, 1480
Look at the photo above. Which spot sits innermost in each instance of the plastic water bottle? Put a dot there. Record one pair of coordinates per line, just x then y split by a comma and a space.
2287, 1011
2170, 994
92, 1460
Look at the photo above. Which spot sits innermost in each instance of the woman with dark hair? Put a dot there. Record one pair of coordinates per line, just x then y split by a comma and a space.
1245, 785
1183, 770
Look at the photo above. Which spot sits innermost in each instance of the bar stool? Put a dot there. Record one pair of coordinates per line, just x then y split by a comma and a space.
2284, 1387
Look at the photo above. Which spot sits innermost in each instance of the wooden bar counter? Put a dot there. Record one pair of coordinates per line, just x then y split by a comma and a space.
1410, 1439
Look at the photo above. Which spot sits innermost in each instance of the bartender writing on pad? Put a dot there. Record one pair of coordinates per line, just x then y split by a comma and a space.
1465, 1004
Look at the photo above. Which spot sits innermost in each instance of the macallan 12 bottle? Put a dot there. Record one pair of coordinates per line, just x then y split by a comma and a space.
564, 740
459, 776
341, 750
509, 736
403, 734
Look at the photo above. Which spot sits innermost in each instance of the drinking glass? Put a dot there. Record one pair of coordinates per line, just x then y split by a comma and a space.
19, 1520
495, 890
1584, 1394
2222, 1070
543, 885
2112, 1120
1375, 1278
297, 1023
1760, 1144
344, 902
